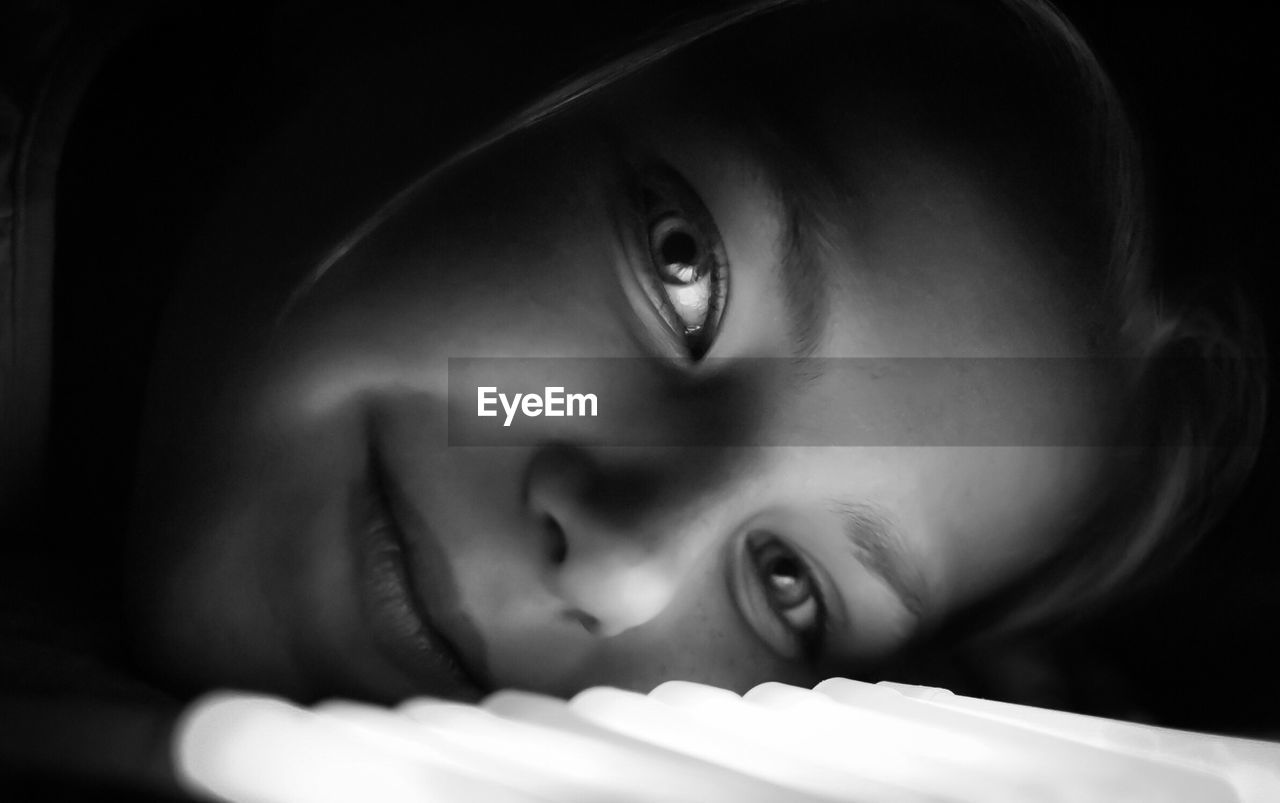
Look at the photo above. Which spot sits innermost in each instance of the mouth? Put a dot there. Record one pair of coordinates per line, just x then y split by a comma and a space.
396, 607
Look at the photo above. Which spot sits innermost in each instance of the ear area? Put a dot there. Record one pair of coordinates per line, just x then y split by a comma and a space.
1207, 381
1194, 430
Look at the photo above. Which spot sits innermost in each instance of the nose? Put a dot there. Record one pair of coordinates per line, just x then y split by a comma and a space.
616, 551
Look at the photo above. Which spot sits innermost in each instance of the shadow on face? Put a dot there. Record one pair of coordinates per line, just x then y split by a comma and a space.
742, 285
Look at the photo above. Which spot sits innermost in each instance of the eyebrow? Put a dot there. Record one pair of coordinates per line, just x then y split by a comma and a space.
804, 279
879, 545
801, 273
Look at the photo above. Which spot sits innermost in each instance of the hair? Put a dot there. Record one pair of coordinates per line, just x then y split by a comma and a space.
1197, 400
1200, 444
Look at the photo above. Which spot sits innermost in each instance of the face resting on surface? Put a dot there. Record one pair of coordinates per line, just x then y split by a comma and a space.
308, 529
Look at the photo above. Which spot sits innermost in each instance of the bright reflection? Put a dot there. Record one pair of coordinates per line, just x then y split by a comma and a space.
250, 748
650, 762
572, 766
842, 741
730, 740
1026, 761
1252, 766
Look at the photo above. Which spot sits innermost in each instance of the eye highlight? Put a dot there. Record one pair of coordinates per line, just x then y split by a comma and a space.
779, 595
686, 276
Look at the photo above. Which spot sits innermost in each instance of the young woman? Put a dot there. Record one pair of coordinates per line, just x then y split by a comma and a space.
863, 288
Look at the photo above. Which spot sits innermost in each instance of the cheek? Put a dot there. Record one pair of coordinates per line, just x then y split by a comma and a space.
474, 267
701, 639
1009, 508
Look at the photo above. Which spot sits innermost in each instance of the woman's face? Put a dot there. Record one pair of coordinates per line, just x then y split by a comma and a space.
319, 515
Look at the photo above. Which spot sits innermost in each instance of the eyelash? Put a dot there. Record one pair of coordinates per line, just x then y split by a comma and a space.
685, 271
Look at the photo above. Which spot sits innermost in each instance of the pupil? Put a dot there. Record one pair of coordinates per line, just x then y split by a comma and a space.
679, 248
785, 569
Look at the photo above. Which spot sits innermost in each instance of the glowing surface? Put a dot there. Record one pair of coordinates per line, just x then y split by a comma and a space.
842, 741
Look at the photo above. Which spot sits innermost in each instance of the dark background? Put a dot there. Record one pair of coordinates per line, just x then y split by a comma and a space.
201, 86
1203, 651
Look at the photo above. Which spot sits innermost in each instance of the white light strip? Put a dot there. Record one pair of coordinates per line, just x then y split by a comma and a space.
551, 762
648, 760
253, 749
842, 741
990, 760
727, 744
1251, 765
407, 738
585, 767
871, 745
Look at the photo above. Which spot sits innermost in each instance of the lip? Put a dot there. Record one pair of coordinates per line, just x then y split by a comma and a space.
398, 616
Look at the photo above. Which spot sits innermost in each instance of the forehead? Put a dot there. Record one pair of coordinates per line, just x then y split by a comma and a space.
925, 243
919, 241
927, 257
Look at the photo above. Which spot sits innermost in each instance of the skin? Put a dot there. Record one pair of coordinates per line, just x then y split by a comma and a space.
565, 561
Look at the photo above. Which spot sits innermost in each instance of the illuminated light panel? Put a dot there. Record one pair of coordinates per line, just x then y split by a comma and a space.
585, 768
684, 693
1251, 765
263, 750
728, 741
986, 760
646, 758
842, 741
553, 712
548, 761
942, 763
407, 738
872, 746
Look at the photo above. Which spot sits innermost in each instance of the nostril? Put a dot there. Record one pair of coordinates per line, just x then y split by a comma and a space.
557, 544
589, 623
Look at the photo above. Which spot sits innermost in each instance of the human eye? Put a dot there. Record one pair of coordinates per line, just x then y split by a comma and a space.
682, 267
780, 596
